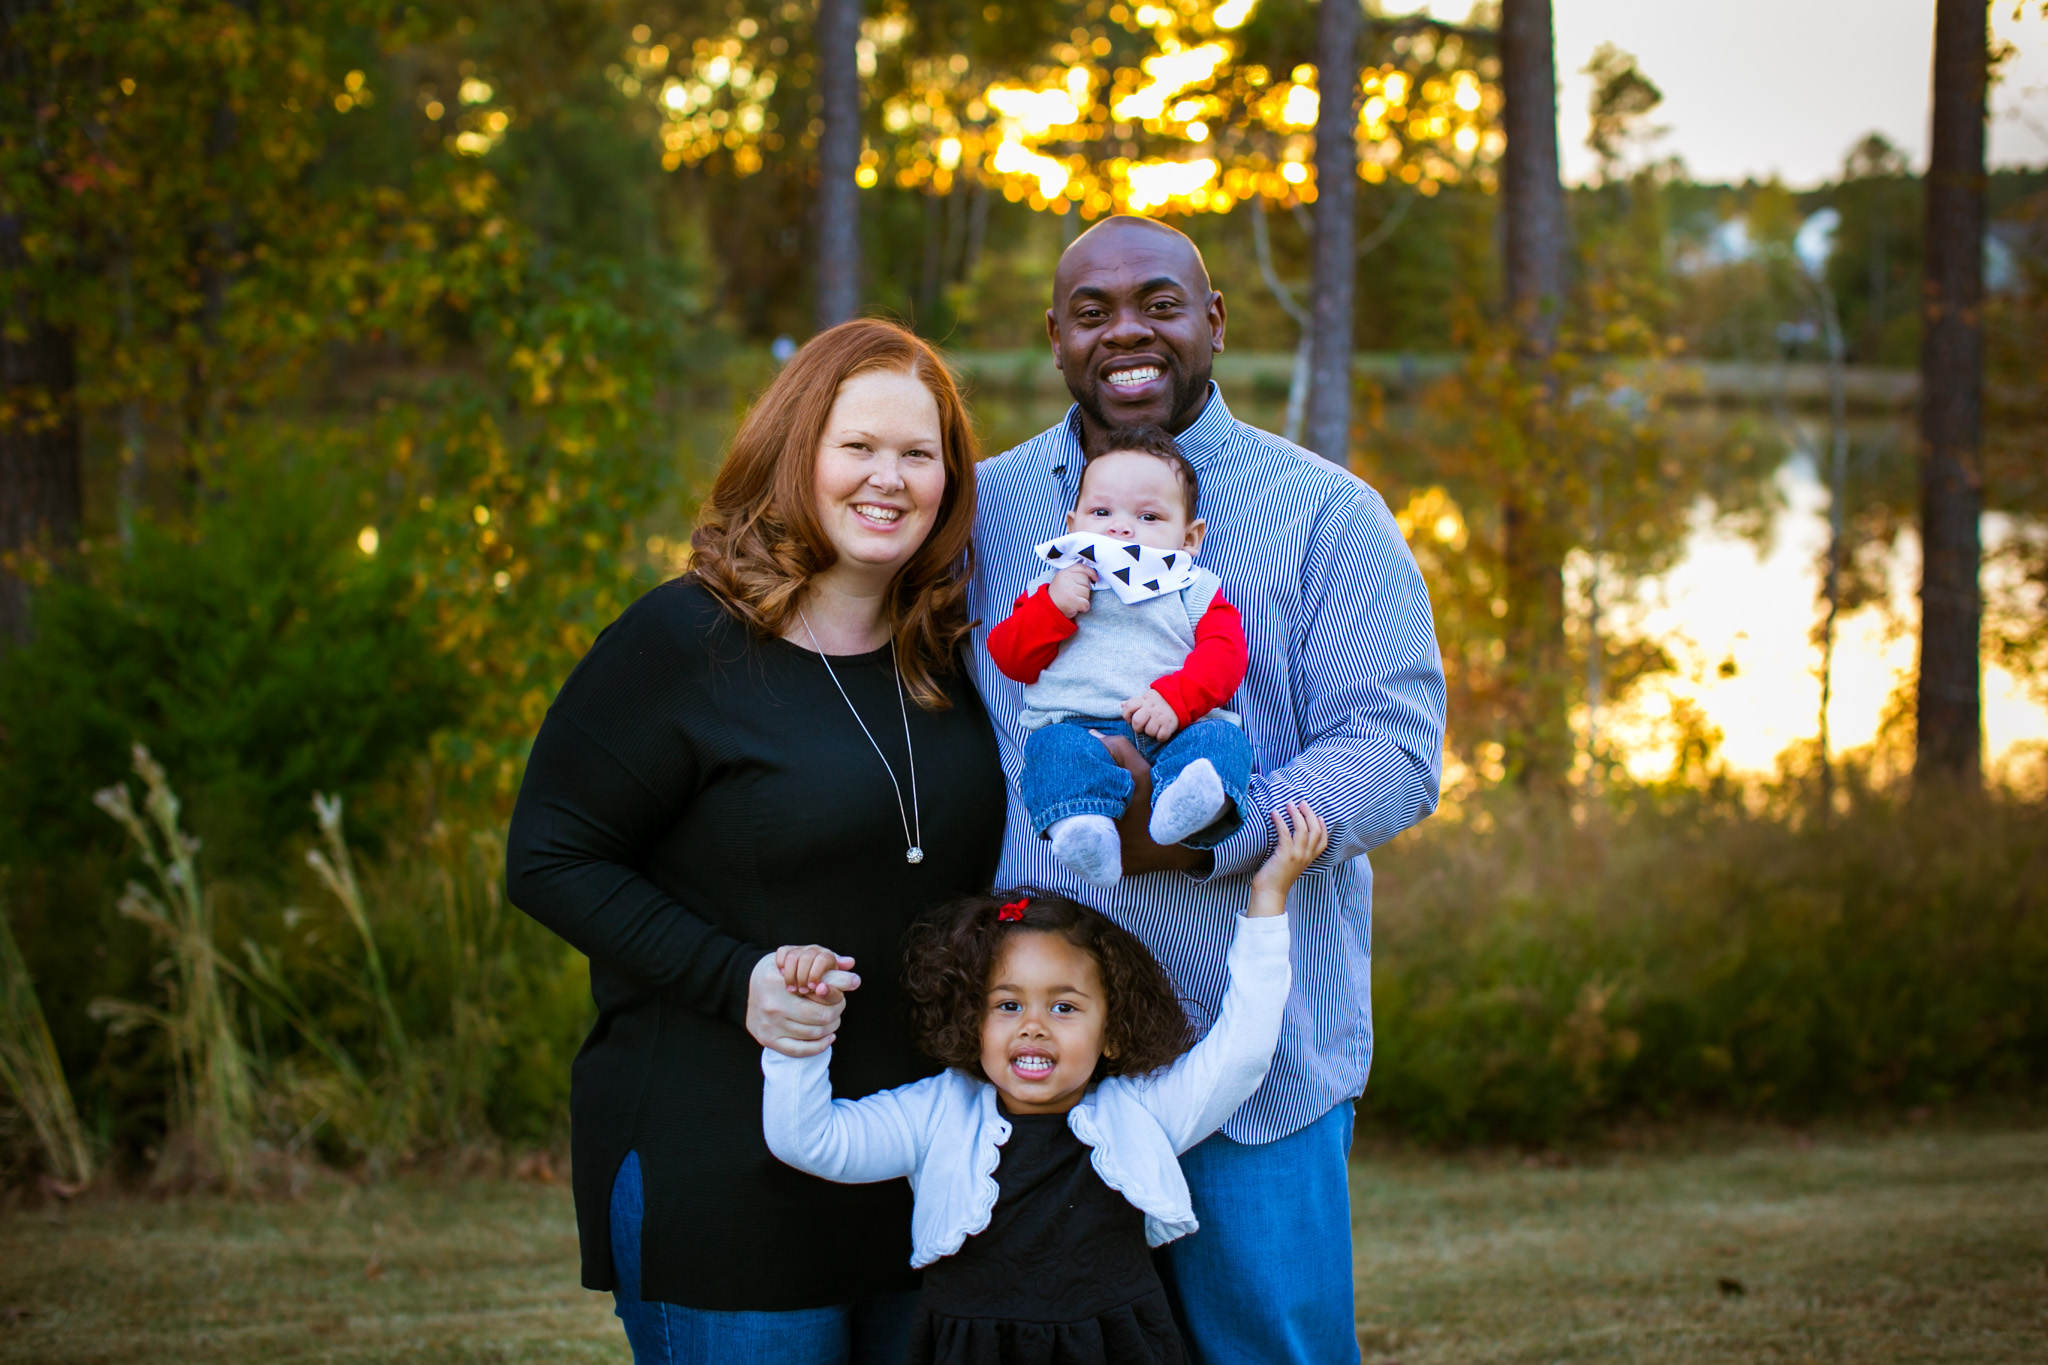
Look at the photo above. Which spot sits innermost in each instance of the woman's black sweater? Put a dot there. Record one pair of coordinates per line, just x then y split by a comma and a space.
697, 797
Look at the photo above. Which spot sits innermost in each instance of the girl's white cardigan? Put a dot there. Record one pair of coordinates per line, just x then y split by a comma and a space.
945, 1132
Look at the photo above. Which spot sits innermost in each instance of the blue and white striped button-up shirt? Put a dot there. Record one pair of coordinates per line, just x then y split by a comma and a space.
1343, 704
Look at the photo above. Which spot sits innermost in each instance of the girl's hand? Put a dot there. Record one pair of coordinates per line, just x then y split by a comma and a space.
804, 969
1071, 588
795, 1025
1301, 838
1151, 714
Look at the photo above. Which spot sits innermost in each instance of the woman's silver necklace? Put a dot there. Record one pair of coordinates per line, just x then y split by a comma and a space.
914, 852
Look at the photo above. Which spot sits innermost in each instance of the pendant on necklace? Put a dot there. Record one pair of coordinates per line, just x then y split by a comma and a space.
913, 855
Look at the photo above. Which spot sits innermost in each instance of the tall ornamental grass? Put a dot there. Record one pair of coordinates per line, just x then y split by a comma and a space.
213, 1088
413, 1013
1538, 973
31, 1072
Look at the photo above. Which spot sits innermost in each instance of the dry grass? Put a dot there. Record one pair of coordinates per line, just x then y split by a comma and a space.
480, 1271
1904, 1248
1917, 1246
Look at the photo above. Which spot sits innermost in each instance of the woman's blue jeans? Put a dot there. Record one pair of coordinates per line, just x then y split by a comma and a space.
1067, 771
872, 1331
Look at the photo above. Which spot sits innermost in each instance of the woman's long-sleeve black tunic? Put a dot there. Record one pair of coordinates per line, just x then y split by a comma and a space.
697, 797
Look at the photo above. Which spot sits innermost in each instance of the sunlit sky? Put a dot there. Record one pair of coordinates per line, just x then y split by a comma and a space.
1757, 87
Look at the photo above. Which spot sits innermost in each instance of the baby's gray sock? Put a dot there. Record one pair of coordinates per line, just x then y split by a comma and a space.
1089, 845
1190, 805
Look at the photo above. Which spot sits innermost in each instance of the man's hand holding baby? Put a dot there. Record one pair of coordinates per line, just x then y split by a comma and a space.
1072, 588
1151, 714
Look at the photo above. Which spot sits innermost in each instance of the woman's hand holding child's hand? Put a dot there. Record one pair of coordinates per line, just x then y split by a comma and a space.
804, 969
1301, 838
1071, 589
1151, 714
795, 997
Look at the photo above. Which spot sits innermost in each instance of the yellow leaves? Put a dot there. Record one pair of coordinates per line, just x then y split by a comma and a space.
1172, 72
1156, 184
1433, 513
473, 193
1586, 1042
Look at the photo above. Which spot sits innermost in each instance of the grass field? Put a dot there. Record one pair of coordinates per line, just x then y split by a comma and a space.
1914, 1246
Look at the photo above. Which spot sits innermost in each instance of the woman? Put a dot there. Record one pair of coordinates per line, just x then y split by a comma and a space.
778, 747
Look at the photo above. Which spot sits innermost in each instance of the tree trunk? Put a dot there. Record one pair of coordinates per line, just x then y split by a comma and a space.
1532, 196
838, 160
1336, 264
40, 487
1537, 731
1949, 709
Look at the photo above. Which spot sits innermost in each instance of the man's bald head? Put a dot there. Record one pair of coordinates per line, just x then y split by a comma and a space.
1110, 238
1134, 324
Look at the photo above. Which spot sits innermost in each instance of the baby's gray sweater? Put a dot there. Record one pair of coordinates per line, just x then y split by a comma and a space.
1116, 652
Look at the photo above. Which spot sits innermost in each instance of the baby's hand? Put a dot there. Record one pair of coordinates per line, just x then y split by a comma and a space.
803, 968
1151, 714
1302, 837
1072, 588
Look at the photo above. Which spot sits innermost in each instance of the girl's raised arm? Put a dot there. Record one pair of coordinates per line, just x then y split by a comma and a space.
1198, 1093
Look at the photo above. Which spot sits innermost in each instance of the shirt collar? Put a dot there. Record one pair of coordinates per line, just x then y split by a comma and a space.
1202, 442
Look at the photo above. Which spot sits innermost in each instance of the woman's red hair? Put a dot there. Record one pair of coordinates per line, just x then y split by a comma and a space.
758, 541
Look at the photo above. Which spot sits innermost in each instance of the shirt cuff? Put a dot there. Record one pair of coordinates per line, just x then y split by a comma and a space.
772, 1061
1244, 851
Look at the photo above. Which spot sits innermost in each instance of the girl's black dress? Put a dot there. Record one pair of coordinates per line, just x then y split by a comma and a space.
1061, 1275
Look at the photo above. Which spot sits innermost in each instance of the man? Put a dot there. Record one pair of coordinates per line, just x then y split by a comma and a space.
1344, 705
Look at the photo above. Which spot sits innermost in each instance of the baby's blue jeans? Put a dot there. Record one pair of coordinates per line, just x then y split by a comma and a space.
1067, 771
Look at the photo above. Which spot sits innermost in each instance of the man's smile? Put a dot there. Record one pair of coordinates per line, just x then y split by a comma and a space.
1132, 376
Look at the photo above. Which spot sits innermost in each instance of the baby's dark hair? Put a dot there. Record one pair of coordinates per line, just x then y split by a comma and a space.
1157, 442
953, 951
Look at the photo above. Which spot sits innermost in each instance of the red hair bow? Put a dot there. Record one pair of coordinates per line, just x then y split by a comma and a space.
1013, 910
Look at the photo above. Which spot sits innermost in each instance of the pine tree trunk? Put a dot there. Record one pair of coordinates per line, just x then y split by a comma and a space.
1336, 262
1949, 710
1532, 196
40, 487
838, 160
1537, 732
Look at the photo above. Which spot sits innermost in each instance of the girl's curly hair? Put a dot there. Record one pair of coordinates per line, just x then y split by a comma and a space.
953, 951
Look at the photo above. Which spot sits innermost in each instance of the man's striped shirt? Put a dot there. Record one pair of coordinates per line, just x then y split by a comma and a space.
1343, 704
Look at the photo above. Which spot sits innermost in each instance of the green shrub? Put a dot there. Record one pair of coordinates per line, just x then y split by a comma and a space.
1681, 952
259, 654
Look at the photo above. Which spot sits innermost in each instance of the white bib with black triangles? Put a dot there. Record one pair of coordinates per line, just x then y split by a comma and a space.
1135, 573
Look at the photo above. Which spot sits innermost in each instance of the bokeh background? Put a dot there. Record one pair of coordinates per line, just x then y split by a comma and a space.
364, 359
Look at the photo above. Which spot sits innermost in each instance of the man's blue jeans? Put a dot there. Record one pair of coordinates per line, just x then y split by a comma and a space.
1268, 1279
1067, 771
873, 1331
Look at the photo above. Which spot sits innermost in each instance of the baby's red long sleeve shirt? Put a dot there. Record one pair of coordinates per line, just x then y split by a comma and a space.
1029, 639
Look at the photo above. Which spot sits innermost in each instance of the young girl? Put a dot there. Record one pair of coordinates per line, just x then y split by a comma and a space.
1043, 1158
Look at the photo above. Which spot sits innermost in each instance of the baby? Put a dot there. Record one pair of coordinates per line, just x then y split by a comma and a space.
1099, 657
